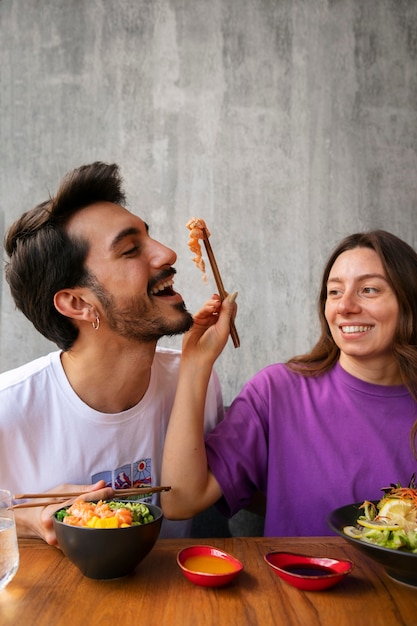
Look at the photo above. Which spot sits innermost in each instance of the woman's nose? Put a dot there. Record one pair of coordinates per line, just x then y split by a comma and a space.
348, 303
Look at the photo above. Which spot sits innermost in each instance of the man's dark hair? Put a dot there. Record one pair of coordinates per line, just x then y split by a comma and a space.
44, 259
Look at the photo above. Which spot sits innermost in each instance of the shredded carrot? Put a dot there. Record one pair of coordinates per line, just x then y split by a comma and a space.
404, 493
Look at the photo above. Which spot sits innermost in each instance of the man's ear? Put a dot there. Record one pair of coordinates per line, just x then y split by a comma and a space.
73, 304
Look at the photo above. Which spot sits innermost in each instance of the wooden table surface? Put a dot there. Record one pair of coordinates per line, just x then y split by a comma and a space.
49, 591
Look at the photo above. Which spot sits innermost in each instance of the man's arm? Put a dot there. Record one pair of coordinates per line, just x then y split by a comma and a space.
37, 521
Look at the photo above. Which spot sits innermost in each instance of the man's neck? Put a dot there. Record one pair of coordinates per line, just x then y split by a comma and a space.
109, 379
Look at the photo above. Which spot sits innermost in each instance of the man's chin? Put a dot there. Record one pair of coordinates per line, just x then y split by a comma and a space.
184, 324
177, 325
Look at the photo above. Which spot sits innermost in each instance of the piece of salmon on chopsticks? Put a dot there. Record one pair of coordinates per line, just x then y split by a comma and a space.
199, 232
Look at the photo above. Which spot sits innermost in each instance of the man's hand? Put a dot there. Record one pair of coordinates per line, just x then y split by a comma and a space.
37, 521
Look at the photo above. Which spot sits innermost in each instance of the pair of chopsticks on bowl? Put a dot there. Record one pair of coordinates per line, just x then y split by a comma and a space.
219, 283
63, 497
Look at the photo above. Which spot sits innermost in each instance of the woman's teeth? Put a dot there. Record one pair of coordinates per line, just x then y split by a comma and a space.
355, 329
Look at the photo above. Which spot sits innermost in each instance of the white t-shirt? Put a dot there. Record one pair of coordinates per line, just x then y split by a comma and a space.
49, 436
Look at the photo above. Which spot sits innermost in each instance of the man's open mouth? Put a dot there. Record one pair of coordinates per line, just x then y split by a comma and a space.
163, 288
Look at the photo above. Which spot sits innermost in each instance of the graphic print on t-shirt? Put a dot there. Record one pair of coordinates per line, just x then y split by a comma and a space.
136, 474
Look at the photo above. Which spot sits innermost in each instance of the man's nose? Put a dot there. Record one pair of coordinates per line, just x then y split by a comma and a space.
161, 254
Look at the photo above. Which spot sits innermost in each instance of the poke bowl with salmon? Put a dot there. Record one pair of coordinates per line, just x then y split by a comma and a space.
107, 539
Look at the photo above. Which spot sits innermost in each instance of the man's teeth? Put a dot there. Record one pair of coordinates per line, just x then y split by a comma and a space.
355, 329
162, 286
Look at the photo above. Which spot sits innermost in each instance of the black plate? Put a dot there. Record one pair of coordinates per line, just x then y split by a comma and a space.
398, 564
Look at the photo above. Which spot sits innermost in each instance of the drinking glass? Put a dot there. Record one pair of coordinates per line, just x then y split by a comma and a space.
9, 551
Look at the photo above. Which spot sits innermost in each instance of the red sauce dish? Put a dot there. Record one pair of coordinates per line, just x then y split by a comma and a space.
208, 566
310, 573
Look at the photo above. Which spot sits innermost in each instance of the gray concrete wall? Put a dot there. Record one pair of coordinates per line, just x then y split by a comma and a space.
285, 124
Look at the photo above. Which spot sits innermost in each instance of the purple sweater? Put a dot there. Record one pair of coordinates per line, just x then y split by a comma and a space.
311, 445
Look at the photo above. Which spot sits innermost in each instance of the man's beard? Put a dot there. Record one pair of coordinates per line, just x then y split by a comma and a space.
136, 319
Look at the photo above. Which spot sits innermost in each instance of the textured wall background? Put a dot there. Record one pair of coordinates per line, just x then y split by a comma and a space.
285, 124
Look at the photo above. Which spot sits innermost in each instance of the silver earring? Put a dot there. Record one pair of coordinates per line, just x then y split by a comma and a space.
96, 323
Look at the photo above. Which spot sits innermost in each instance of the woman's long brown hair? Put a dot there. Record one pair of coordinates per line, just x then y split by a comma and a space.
399, 261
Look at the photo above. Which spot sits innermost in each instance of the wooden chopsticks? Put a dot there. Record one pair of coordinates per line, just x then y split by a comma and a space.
219, 283
63, 497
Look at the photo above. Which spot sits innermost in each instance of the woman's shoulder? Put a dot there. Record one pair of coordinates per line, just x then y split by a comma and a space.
277, 376
279, 371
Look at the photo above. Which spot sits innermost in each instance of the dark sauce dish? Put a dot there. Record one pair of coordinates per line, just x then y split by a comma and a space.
309, 573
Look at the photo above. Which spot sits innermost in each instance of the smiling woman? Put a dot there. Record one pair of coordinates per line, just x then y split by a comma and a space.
325, 428
362, 314
390, 273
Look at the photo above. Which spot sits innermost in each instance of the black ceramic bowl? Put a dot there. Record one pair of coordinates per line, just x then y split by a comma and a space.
398, 564
108, 552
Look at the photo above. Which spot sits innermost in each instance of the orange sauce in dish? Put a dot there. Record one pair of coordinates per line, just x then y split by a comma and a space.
209, 565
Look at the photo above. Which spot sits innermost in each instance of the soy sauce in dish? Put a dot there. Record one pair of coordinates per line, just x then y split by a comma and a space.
308, 570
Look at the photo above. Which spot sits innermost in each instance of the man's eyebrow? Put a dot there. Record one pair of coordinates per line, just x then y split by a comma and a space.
126, 232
